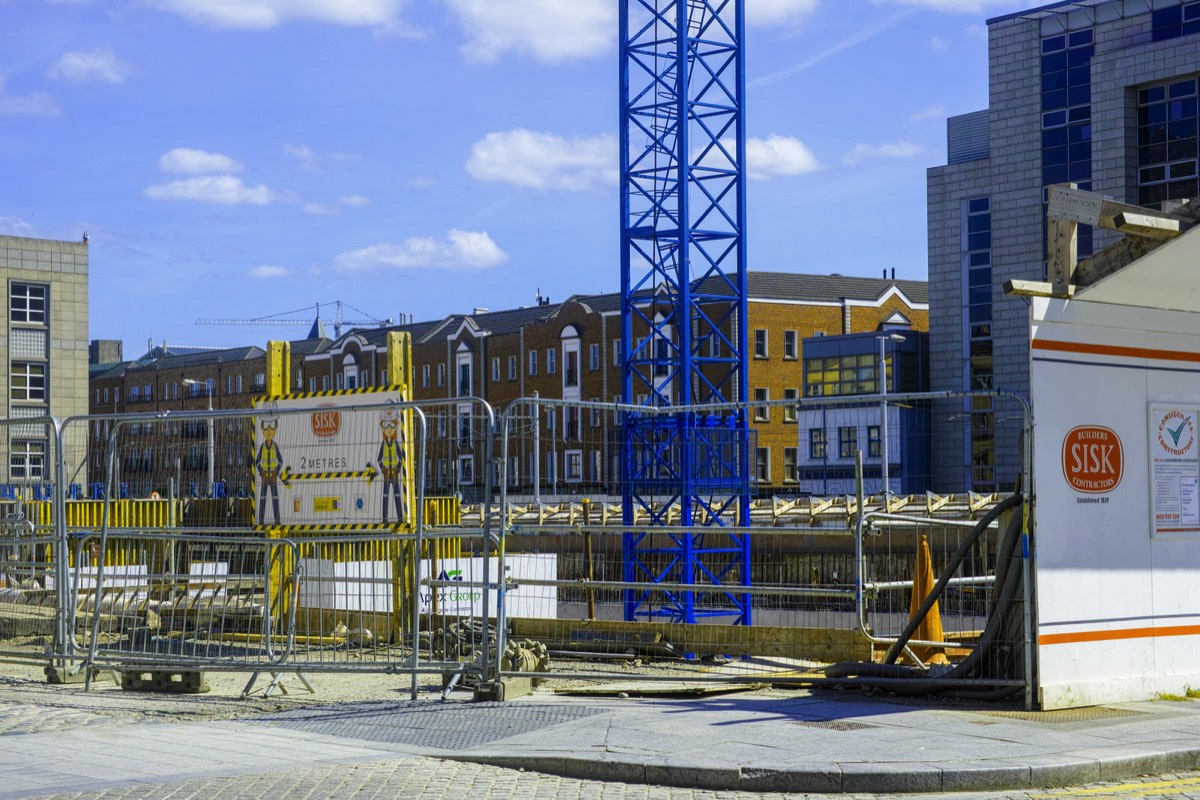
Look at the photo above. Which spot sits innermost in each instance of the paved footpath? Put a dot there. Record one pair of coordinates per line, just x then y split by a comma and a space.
739, 745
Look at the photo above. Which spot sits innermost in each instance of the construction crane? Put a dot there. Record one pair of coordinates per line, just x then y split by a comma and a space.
683, 282
282, 318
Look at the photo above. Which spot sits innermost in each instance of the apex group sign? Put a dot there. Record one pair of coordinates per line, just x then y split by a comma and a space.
1093, 459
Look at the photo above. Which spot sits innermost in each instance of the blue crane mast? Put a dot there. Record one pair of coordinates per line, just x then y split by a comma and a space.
683, 309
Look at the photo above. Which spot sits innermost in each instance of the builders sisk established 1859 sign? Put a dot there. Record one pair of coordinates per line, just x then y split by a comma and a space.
1093, 459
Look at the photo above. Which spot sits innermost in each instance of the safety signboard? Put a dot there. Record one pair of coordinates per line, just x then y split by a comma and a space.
332, 461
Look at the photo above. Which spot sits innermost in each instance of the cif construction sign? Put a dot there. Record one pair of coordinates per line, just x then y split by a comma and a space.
333, 461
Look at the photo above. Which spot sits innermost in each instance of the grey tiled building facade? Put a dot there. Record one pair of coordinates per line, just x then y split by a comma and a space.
44, 344
1100, 93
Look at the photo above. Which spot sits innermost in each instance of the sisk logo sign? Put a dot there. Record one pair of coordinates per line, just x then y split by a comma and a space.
1093, 459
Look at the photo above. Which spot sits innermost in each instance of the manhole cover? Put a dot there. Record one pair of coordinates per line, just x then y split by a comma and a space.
836, 725
442, 726
1065, 715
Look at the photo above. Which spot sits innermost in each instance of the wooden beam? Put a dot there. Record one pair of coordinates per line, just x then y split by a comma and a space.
1062, 253
1022, 288
1147, 225
1112, 259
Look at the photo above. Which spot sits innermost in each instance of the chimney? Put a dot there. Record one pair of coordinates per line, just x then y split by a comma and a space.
893, 273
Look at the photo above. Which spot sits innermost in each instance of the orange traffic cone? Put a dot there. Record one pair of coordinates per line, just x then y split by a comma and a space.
930, 628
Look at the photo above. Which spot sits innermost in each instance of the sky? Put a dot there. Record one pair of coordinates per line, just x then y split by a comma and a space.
239, 159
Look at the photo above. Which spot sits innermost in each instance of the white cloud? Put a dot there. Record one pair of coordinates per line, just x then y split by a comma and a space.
549, 30
938, 44
268, 271
859, 36
544, 161
777, 156
310, 160
99, 65
32, 105
933, 112
222, 189
955, 6
262, 14
459, 250
15, 226
861, 152
186, 161
343, 202
773, 12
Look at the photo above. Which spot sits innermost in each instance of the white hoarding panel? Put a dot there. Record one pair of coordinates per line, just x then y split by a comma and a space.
1118, 618
367, 586
332, 465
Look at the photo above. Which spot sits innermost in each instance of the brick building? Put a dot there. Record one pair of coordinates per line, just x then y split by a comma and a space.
572, 351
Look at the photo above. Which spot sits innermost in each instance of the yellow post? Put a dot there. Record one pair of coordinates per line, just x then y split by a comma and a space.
930, 628
279, 368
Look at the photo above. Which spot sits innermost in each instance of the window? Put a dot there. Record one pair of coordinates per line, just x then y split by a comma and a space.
762, 464
148, 394
464, 429
496, 370
551, 360
27, 460
593, 357
259, 383
27, 303
350, 371
237, 384
818, 445
874, 450
299, 384
324, 383
441, 374
1066, 94
847, 442
616, 351
791, 473
340, 378
464, 378
383, 378
28, 381
792, 396
466, 470
762, 413
571, 427
570, 368
512, 368
760, 342
574, 466
228, 384
533, 362
1175, 21
425, 376
791, 350
594, 414
312, 385
1167, 141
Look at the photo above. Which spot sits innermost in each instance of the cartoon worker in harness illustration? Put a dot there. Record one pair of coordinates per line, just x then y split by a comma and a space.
390, 461
269, 464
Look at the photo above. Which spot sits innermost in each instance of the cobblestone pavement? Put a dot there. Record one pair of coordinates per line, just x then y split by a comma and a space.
435, 779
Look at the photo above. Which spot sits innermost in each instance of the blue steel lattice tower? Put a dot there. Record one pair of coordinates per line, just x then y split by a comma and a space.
683, 295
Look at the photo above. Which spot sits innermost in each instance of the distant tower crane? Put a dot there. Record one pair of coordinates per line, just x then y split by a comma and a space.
683, 294
282, 319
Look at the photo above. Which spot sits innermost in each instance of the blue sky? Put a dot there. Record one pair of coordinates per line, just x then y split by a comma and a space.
243, 158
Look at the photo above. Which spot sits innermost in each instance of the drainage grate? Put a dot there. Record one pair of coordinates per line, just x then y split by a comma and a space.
441, 726
836, 725
1065, 715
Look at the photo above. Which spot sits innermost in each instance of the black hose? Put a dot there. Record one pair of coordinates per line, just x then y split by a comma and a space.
948, 573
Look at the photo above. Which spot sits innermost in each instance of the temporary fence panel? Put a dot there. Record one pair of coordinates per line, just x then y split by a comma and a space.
182, 601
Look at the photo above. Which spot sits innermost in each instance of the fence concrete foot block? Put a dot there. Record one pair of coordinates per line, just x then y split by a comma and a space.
64, 675
508, 688
165, 681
